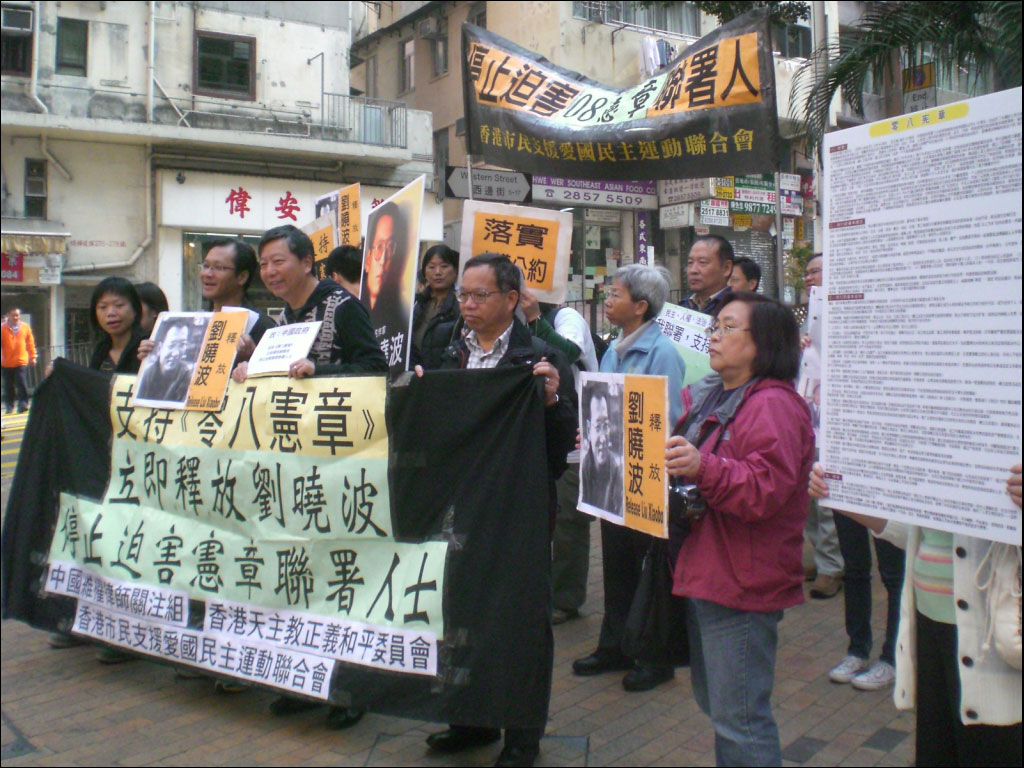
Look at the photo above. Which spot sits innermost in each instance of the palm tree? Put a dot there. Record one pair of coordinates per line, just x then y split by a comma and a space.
984, 37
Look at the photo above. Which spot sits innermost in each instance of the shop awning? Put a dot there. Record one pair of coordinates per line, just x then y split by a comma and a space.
33, 236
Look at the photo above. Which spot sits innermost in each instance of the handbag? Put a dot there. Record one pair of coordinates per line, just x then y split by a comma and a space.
655, 628
999, 578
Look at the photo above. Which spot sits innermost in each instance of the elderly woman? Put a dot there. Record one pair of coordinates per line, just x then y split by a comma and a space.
635, 298
746, 444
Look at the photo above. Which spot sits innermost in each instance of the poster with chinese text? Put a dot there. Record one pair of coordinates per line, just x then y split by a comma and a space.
322, 232
216, 359
622, 450
166, 373
686, 329
389, 271
281, 346
538, 240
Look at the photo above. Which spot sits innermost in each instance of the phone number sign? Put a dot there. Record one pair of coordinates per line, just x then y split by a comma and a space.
595, 194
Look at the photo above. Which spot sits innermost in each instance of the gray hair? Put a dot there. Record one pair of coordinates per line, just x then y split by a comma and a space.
645, 283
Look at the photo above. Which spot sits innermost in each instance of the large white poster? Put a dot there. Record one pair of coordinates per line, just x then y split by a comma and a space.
921, 365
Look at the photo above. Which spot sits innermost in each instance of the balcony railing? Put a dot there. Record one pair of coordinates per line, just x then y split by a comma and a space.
365, 121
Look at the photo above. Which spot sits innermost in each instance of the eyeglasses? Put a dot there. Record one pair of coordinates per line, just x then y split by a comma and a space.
721, 330
479, 297
216, 268
382, 250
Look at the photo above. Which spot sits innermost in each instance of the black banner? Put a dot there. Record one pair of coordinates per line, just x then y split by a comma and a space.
473, 477
711, 112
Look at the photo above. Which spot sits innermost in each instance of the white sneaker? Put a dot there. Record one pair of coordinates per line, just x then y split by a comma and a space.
848, 668
880, 675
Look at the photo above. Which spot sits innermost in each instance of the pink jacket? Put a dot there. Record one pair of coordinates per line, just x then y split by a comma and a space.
745, 552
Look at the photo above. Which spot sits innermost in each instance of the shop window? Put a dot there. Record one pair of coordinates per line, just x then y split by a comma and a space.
35, 189
407, 72
16, 48
72, 46
225, 66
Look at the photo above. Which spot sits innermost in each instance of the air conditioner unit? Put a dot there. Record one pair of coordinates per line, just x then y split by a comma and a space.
17, 20
35, 187
429, 28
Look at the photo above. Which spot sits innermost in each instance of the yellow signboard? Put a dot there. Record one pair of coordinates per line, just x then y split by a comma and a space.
645, 405
210, 380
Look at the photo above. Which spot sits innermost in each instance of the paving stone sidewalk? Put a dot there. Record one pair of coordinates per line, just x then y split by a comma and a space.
64, 708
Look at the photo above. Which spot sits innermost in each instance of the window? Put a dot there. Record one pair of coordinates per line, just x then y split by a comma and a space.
439, 51
35, 189
72, 46
225, 66
792, 41
478, 16
407, 54
440, 161
17, 41
680, 18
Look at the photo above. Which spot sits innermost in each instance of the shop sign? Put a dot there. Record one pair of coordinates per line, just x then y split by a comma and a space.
790, 203
603, 217
789, 181
714, 212
643, 225
599, 194
676, 216
12, 267
674, 191
742, 206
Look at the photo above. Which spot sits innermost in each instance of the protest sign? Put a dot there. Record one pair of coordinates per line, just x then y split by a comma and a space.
921, 384
221, 541
389, 271
809, 380
217, 358
535, 239
348, 216
281, 346
710, 112
686, 329
623, 429
166, 373
322, 233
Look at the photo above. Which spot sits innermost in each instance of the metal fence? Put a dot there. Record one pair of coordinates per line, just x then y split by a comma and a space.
593, 310
365, 121
76, 353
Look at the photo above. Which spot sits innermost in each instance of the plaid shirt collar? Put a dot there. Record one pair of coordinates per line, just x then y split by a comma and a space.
479, 358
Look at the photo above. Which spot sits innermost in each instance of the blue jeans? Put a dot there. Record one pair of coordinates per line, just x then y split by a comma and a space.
855, 543
732, 667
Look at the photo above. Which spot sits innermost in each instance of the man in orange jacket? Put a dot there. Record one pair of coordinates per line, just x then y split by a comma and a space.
18, 353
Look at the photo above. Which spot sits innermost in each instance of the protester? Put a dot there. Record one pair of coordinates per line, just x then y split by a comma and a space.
635, 298
153, 303
820, 530
18, 353
746, 443
966, 687
745, 276
344, 345
115, 312
489, 294
344, 266
707, 271
225, 275
435, 304
565, 329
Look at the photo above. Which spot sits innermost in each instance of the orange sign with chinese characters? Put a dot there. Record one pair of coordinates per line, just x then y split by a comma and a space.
645, 428
210, 380
348, 216
321, 232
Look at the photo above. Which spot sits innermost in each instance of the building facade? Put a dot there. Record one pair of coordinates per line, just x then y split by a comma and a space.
135, 131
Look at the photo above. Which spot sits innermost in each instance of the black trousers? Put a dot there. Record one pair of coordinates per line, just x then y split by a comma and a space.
942, 738
15, 383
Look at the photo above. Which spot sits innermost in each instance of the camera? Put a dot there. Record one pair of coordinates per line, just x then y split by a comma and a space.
686, 502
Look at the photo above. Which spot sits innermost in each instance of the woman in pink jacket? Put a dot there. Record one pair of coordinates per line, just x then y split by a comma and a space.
745, 445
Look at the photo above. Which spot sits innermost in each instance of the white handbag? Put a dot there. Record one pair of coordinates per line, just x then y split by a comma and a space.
999, 577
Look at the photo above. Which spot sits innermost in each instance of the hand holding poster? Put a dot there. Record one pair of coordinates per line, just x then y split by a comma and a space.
282, 346
536, 239
166, 373
921, 369
389, 271
622, 450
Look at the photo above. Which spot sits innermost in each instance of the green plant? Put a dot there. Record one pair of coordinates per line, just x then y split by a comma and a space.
796, 263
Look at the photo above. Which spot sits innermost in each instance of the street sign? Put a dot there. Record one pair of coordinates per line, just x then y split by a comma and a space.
489, 184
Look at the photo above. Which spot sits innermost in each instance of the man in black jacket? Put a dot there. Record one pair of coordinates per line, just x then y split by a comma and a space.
488, 295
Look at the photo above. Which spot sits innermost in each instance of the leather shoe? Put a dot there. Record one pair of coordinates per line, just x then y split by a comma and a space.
457, 738
518, 756
340, 718
826, 586
290, 705
644, 677
600, 661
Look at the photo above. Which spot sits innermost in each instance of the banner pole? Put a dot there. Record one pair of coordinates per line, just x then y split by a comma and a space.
469, 171
780, 246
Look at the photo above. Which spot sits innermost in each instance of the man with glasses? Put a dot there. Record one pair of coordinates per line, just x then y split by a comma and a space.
225, 276
488, 297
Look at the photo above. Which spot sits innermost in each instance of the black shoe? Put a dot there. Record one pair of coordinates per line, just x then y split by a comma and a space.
340, 718
600, 661
644, 677
517, 755
458, 738
290, 705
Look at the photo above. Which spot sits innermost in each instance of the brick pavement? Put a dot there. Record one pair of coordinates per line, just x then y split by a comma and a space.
64, 708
